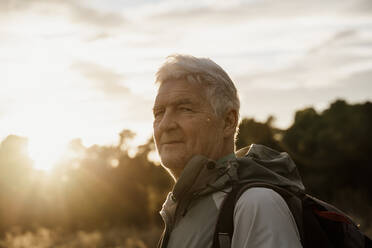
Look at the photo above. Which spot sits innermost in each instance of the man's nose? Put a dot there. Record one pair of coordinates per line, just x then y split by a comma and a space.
168, 122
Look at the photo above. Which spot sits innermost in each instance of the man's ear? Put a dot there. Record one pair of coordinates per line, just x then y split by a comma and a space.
230, 121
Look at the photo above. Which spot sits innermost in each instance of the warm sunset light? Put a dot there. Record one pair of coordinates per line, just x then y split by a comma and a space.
78, 163
49, 127
45, 153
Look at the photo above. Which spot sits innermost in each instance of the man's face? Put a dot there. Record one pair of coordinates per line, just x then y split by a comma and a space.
185, 124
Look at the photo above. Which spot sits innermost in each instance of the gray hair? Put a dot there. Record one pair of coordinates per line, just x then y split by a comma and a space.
221, 91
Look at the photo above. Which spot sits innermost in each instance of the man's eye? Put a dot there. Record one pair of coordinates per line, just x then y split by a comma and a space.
185, 109
158, 113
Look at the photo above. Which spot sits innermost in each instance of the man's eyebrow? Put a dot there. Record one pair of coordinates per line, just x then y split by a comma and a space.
175, 103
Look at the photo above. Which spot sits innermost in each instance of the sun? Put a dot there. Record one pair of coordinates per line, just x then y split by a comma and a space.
45, 153
48, 132
50, 127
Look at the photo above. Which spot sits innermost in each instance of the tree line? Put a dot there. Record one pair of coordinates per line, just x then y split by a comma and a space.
103, 186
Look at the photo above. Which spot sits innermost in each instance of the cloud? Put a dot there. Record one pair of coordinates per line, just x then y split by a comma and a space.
359, 83
77, 12
243, 27
363, 6
339, 67
344, 41
82, 14
283, 55
345, 53
238, 10
104, 79
283, 103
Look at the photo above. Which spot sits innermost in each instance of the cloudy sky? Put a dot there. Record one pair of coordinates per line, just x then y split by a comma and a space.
85, 68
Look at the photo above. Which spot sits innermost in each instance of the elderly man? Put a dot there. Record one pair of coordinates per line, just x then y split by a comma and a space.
196, 115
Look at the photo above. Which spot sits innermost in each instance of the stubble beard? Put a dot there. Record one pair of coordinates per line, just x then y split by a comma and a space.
173, 162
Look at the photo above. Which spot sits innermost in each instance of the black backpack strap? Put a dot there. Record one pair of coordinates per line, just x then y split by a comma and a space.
225, 222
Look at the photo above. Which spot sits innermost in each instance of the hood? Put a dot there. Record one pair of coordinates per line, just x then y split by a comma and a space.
259, 163
256, 163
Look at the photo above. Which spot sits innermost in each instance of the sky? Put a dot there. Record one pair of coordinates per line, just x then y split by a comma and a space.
86, 68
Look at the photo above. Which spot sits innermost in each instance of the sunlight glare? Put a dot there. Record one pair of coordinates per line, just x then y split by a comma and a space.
45, 153
49, 127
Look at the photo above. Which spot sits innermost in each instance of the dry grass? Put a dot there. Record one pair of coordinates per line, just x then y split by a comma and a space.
112, 238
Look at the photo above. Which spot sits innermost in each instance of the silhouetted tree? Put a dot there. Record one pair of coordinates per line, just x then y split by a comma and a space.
102, 186
332, 150
251, 131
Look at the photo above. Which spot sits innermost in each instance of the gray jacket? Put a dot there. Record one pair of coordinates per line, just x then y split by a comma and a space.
191, 209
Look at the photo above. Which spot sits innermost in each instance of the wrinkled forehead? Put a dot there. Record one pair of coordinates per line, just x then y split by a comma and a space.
178, 98
180, 92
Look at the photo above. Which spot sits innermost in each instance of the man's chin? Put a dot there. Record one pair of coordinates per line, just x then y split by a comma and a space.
173, 163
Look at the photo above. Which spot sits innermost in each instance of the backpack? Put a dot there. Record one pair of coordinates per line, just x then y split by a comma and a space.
320, 224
